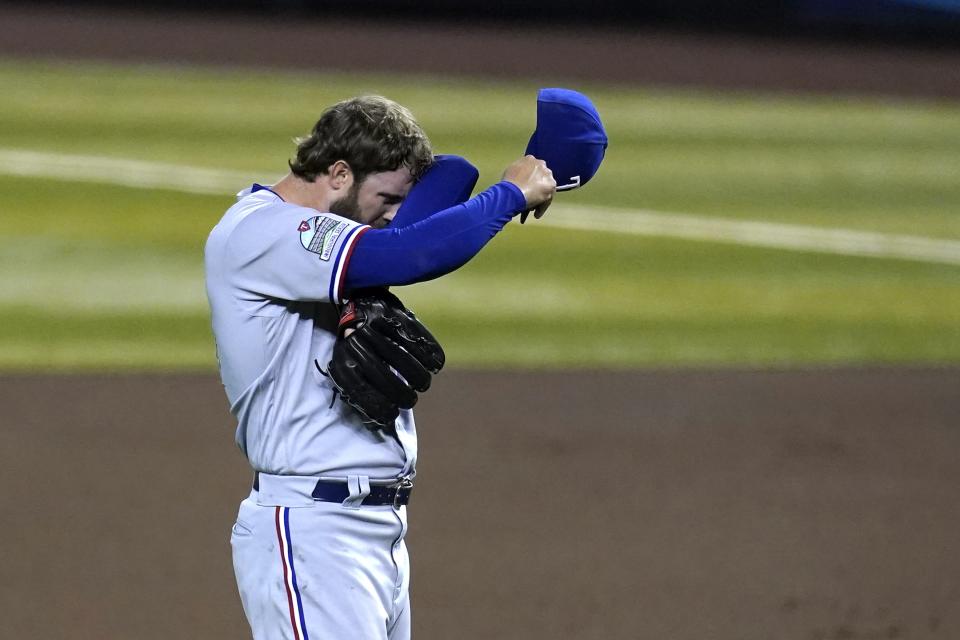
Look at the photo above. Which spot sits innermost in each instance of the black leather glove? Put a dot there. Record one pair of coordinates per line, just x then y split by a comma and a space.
382, 357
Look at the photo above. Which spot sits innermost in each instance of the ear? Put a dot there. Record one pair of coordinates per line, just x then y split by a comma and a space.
340, 175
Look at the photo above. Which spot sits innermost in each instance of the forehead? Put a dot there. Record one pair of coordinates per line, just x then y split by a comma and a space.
397, 181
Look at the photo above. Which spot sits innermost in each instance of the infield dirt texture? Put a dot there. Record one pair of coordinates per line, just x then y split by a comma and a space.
727, 505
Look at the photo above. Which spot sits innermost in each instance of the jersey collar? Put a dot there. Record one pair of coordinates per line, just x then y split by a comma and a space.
259, 187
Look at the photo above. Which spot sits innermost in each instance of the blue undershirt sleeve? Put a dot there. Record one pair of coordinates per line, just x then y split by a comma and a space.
434, 246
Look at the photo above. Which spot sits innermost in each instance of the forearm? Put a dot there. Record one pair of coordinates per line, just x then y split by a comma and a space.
435, 246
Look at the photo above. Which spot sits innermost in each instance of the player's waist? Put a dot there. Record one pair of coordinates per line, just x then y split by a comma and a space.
351, 491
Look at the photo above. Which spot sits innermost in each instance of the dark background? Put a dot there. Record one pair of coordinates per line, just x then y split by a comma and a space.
927, 22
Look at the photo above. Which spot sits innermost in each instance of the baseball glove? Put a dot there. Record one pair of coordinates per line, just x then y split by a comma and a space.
389, 356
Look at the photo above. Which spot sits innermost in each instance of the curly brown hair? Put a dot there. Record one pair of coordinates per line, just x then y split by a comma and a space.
370, 133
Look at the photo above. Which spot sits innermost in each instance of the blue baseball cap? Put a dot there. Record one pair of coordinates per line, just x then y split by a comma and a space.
569, 137
449, 181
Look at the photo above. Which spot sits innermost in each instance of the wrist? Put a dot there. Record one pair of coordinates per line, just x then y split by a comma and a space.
518, 199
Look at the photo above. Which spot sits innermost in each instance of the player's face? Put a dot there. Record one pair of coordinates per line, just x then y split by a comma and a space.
379, 196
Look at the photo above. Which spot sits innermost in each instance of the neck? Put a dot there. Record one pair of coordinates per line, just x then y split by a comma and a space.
298, 191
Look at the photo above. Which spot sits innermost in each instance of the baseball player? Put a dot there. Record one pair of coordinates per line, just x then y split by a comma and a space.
318, 546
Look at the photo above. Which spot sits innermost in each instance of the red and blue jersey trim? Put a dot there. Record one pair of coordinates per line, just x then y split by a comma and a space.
343, 261
294, 602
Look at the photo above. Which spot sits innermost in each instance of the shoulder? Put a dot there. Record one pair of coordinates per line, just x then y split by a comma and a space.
262, 221
265, 209
274, 220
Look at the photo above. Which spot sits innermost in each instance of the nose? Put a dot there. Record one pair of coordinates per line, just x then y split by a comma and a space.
390, 214
384, 220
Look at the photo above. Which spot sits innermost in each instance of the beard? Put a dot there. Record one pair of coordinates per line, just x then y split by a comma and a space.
349, 205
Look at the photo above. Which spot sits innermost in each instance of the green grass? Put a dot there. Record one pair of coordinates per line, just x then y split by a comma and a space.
669, 302
102, 276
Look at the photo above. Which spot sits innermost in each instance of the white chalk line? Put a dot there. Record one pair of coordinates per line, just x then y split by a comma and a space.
121, 171
759, 234
176, 177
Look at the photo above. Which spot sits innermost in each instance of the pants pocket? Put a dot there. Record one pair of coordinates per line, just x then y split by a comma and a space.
241, 530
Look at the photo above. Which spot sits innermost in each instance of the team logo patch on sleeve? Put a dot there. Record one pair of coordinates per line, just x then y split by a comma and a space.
320, 234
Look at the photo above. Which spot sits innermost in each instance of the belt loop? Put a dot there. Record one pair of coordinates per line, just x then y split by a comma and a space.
404, 487
359, 487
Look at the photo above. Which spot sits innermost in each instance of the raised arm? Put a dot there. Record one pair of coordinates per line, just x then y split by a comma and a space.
447, 240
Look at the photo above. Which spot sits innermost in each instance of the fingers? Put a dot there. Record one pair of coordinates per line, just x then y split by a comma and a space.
535, 181
414, 337
542, 209
394, 355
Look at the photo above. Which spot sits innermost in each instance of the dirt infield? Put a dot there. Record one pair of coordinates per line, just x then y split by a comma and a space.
682, 505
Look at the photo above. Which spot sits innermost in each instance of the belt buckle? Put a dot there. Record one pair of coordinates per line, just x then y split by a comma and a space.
405, 483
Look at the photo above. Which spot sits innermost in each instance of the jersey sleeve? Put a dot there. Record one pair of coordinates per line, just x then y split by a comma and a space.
292, 253
436, 245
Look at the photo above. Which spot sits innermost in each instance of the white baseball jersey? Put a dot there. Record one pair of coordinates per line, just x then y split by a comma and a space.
274, 276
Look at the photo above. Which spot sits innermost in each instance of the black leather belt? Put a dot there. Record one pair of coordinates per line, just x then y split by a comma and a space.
396, 495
